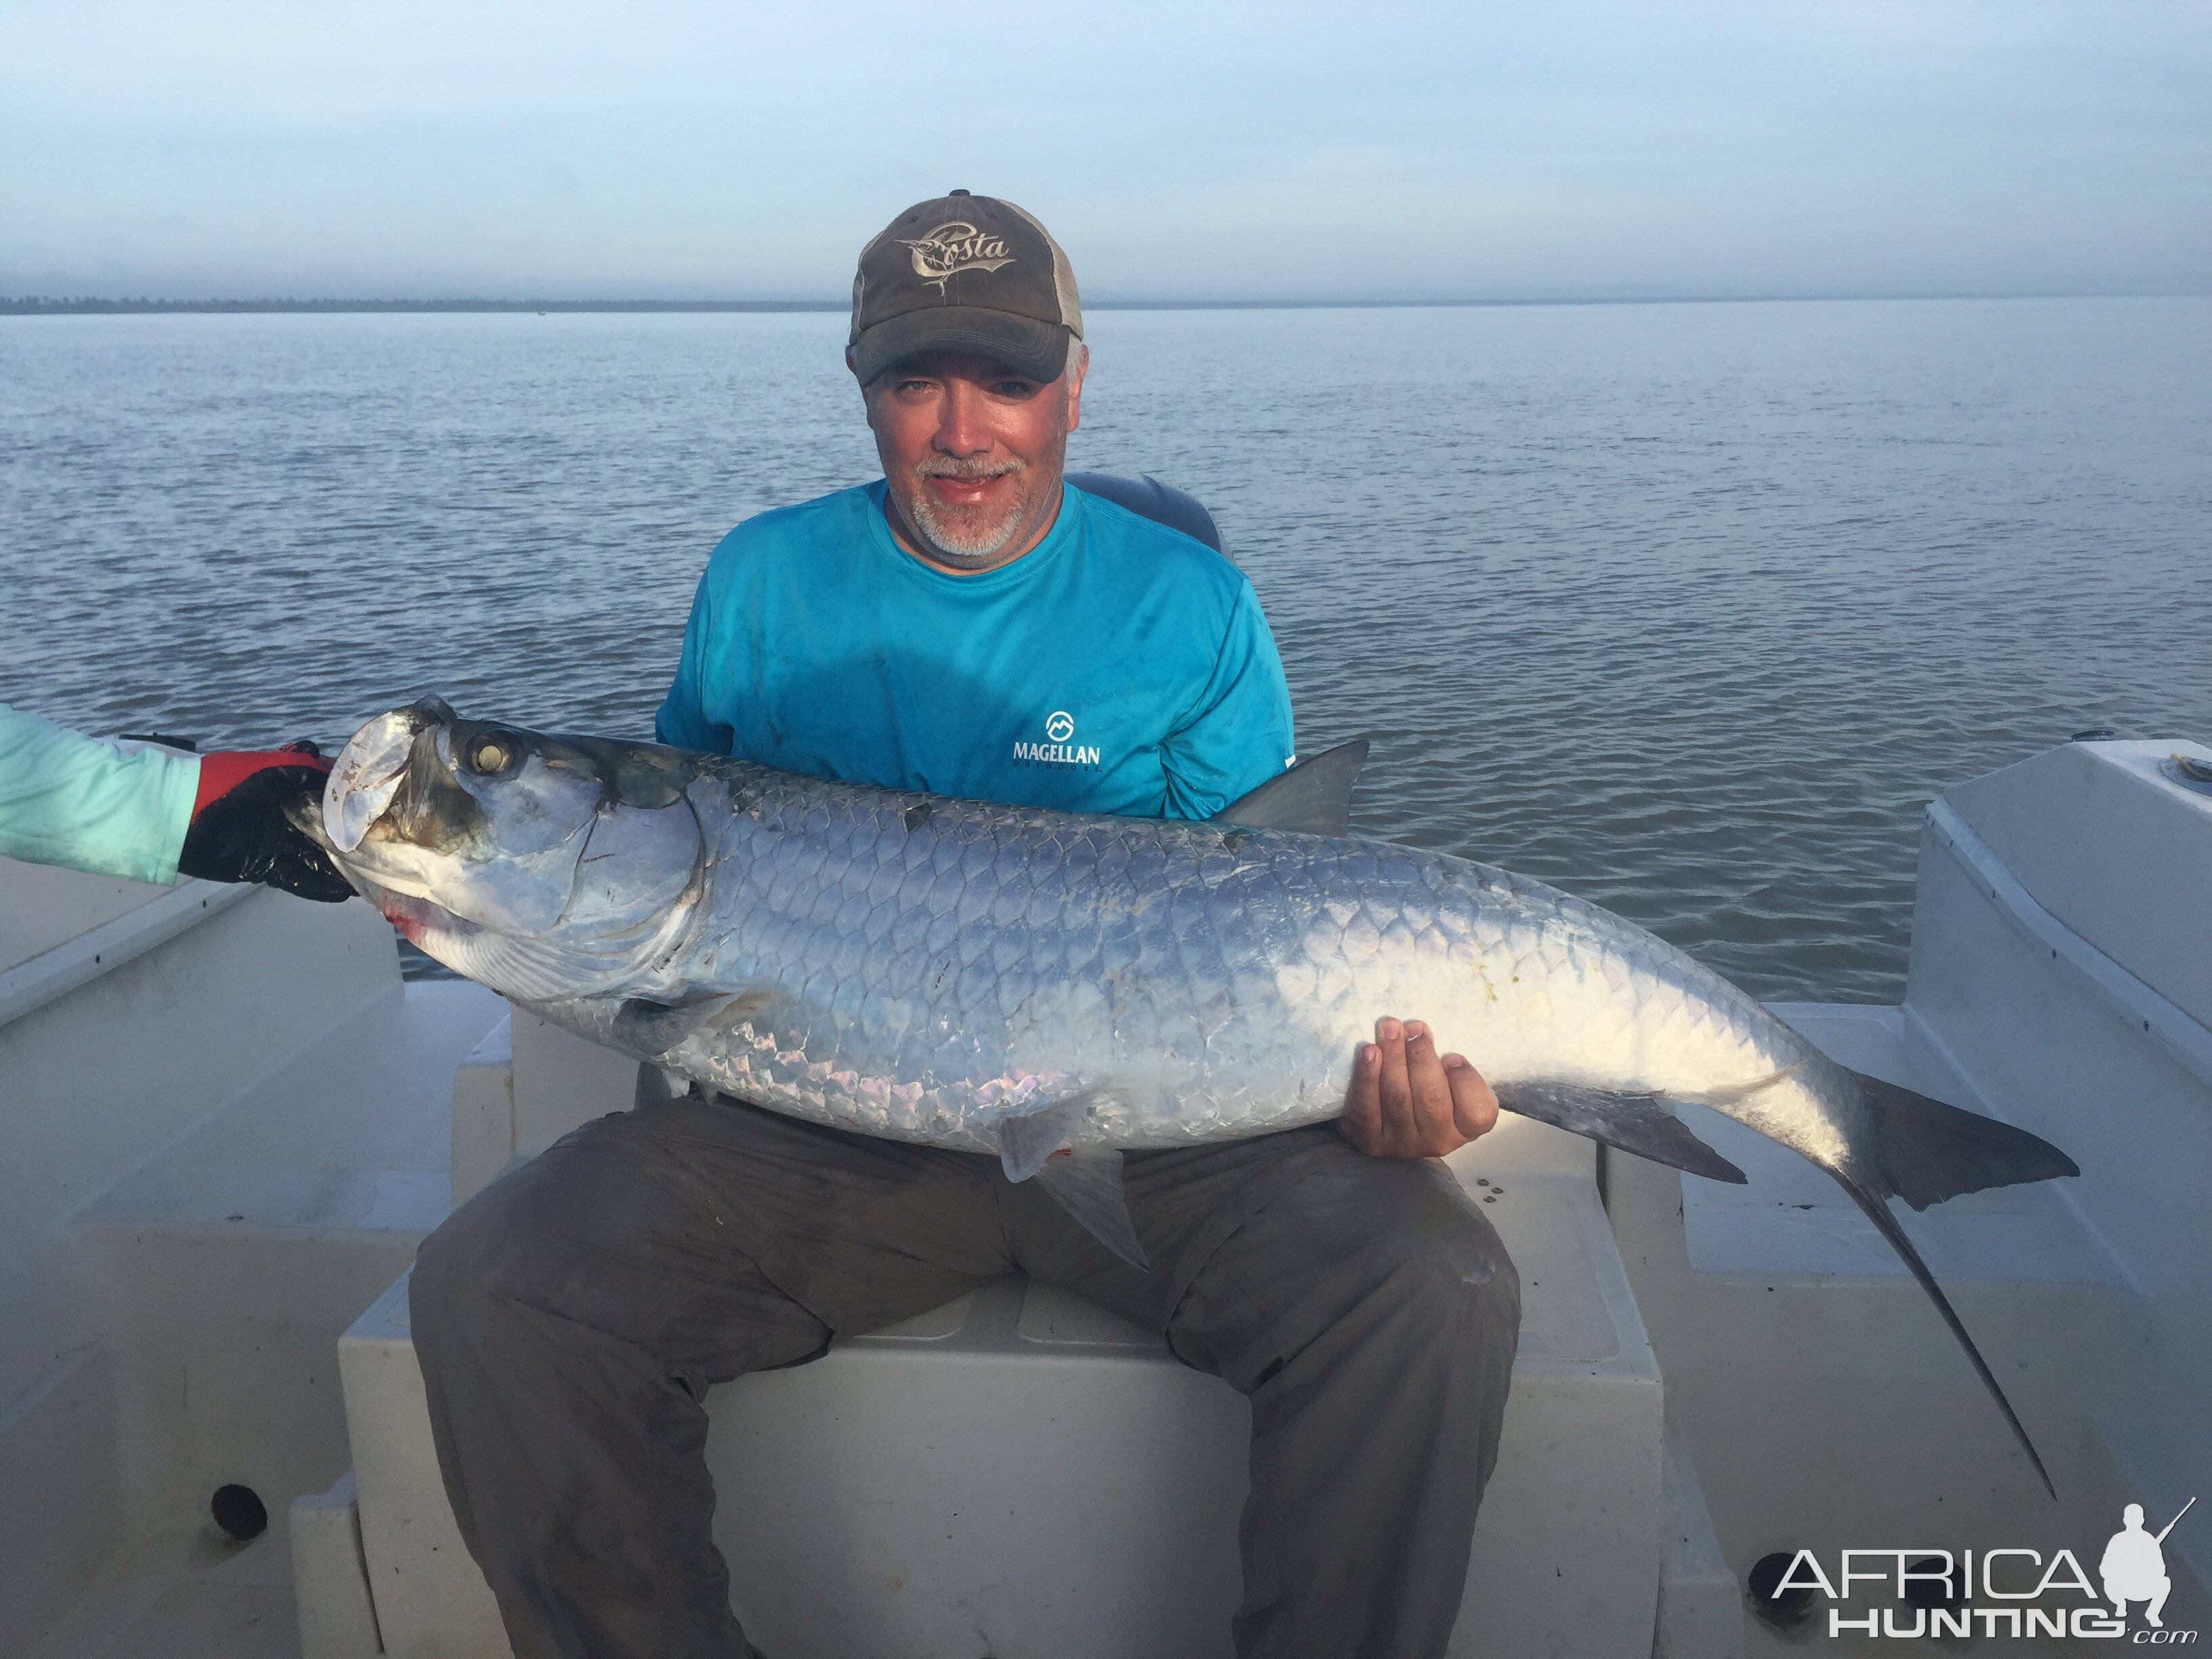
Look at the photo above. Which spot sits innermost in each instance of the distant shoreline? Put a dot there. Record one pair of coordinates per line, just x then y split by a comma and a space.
43, 306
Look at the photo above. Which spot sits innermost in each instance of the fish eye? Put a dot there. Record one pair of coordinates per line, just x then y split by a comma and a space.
490, 754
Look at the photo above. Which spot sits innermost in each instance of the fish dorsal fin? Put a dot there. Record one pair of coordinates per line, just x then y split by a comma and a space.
1314, 797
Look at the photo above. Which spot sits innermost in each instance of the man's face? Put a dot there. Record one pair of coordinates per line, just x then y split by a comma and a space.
973, 451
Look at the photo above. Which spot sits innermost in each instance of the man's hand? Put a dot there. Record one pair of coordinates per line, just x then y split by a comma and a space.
1406, 1102
241, 830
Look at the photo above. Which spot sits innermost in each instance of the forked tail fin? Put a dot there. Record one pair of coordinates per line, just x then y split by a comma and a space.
1930, 1152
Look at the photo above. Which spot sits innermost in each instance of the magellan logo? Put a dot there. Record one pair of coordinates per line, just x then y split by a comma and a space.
951, 248
1059, 728
1994, 1593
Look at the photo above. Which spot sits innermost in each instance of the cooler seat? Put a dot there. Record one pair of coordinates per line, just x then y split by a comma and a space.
1020, 1475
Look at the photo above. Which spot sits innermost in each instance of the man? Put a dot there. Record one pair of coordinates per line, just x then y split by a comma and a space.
974, 626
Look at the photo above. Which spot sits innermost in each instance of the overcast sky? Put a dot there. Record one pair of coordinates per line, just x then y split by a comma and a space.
1187, 150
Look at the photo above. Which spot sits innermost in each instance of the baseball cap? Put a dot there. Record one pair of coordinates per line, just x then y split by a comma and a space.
964, 273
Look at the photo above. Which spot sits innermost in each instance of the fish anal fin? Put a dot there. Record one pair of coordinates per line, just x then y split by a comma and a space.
1886, 1223
1088, 1186
647, 1027
1313, 798
1640, 1123
1931, 1151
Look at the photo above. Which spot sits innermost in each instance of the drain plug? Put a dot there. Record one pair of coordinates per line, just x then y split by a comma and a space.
239, 1511
1787, 1610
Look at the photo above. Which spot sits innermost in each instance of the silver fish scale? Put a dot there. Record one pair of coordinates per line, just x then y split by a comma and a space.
924, 968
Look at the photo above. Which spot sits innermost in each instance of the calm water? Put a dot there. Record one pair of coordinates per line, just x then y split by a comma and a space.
1689, 609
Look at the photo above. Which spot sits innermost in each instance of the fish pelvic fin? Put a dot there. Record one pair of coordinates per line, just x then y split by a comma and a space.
1930, 1152
1088, 1186
1640, 1123
1877, 1210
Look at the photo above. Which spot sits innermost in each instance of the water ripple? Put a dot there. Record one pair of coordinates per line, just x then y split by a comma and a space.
1688, 609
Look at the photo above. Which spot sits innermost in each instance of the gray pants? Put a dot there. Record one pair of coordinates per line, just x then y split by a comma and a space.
572, 1315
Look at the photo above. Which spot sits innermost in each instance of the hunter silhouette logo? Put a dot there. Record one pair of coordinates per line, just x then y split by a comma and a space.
953, 247
2134, 1567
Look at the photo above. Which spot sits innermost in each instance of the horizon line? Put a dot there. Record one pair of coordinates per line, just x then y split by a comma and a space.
44, 305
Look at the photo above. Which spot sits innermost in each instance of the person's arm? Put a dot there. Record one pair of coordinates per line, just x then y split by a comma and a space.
1237, 734
69, 800
682, 722
150, 814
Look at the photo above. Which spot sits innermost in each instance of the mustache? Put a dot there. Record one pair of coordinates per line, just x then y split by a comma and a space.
971, 466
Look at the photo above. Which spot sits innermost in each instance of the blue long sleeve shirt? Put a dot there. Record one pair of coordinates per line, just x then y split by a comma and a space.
1117, 666
70, 800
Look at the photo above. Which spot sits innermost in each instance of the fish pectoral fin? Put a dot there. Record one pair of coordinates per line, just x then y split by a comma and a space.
1041, 1128
1640, 1123
647, 1027
1313, 798
1088, 1186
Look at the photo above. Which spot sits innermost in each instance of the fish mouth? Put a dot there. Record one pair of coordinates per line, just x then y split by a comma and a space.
371, 767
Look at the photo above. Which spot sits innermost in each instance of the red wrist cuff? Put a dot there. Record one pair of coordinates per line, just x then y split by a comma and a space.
226, 769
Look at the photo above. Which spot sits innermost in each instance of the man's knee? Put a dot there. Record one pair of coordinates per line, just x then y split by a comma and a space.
480, 1246
512, 1244
1421, 1257
1449, 1268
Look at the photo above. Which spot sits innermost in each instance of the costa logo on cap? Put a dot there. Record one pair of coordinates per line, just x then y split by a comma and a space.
951, 248
967, 274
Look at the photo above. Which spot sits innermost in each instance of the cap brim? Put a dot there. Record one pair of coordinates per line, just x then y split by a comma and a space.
1036, 350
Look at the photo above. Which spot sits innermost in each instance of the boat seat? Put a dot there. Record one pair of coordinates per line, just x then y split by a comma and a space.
1019, 1472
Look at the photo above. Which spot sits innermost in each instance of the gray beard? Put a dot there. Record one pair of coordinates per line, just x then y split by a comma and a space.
964, 537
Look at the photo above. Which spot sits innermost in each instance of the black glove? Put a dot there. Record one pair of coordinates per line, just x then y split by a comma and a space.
240, 830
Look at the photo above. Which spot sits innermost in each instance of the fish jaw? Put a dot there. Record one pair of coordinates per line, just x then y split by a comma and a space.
370, 769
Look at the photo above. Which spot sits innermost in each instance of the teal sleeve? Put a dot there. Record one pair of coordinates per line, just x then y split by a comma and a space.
682, 722
70, 800
1239, 733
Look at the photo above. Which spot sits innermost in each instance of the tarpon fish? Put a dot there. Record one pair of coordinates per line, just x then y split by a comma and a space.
1012, 980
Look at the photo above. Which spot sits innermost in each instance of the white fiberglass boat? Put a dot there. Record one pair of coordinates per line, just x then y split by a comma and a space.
226, 1122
